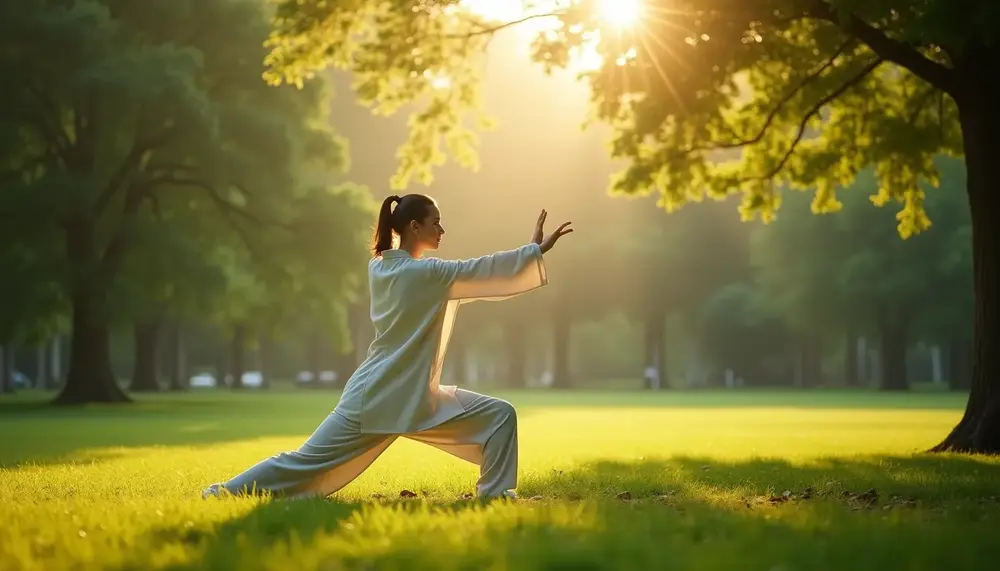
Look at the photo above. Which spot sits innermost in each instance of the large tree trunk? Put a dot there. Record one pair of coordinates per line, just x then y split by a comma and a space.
145, 374
959, 363
979, 429
176, 366
237, 355
90, 378
562, 322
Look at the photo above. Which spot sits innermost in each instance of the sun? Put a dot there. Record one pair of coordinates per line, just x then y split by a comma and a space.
621, 14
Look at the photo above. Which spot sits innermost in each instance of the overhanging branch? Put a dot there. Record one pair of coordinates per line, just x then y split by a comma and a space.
887, 48
224, 205
813, 111
115, 249
738, 142
128, 166
921, 102
490, 30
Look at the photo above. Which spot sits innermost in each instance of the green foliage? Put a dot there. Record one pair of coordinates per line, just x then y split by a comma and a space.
841, 272
796, 263
382, 43
738, 330
146, 136
675, 264
704, 96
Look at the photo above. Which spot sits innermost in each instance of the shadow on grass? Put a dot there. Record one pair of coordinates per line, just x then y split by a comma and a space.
686, 513
49, 435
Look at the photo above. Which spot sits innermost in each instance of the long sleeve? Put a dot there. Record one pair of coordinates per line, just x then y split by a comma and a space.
498, 275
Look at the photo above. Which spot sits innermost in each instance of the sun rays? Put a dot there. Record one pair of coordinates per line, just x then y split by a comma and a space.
621, 14
622, 32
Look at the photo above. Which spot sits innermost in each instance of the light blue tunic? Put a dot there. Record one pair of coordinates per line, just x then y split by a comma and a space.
414, 303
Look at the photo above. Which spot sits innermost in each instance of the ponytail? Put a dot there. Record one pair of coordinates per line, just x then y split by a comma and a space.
395, 220
382, 240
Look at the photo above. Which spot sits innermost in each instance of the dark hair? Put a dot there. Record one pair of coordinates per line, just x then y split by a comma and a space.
410, 207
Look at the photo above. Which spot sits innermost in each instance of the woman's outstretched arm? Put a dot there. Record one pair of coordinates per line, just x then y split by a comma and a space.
499, 265
501, 274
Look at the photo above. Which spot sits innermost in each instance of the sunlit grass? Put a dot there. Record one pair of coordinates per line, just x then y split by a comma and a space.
608, 481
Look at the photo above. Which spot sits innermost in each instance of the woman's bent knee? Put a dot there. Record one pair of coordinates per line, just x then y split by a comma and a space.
504, 411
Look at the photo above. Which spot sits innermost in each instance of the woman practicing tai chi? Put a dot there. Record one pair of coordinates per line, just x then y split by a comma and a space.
396, 392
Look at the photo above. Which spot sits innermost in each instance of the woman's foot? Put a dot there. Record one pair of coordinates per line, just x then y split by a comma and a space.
215, 490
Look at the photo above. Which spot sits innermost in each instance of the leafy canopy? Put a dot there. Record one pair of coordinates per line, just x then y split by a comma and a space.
704, 96
144, 138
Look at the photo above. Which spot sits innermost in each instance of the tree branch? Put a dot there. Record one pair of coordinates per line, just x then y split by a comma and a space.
128, 165
220, 201
115, 249
813, 111
56, 135
490, 30
738, 142
887, 48
921, 103
244, 237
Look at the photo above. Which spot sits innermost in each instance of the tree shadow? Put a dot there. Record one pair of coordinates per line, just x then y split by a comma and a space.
50, 435
47, 435
714, 398
682, 513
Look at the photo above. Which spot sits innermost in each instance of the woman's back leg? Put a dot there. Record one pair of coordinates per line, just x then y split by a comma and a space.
335, 454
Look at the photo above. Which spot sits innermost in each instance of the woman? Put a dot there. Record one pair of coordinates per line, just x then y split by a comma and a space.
396, 392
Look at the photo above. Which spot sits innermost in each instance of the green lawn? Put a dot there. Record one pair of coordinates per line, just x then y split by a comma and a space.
608, 481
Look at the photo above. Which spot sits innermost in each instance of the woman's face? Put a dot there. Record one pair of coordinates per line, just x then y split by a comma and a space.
427, 233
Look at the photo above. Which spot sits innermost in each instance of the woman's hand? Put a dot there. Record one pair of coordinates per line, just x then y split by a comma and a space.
547, 242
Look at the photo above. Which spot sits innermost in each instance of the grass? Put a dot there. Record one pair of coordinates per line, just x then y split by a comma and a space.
750, 480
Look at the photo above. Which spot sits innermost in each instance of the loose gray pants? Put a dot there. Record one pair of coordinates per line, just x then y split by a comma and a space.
338, 452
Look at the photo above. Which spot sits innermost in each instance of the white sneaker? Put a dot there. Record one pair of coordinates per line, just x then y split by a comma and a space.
508, 495
215, 490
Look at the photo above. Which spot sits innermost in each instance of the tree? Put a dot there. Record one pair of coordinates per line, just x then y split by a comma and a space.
797, 262
120, 108
809, 91
670, 267
851, 272
739, 332
890, 280
948, 317
172, 276
287, 278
